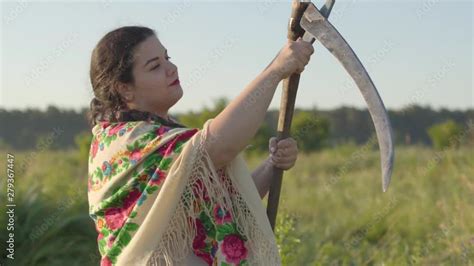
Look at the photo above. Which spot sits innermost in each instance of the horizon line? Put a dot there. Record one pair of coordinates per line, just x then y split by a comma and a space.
81, 109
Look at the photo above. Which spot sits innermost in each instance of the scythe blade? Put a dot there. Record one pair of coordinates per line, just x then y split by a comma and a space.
316, 24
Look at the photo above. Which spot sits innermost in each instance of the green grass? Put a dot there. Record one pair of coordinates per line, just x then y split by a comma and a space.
52, 224
425, 218
332, 209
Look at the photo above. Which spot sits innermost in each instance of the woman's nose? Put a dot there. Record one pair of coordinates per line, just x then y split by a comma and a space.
171, 70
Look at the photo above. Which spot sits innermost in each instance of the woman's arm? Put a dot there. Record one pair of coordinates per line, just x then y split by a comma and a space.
233, 128
283, 155
262, 176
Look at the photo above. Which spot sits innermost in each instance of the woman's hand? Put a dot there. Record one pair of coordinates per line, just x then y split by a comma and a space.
292, 58
284, 153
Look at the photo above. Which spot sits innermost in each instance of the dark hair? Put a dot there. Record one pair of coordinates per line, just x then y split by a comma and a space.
112, 62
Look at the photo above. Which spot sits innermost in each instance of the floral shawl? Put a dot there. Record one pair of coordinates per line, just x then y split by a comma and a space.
156, 199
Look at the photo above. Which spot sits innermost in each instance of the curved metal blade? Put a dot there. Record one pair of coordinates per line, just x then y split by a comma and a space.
325, 11
317, 25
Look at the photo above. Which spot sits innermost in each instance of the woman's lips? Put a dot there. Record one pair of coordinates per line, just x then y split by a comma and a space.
176, 82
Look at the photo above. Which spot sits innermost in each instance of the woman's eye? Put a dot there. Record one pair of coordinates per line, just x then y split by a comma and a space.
155, 67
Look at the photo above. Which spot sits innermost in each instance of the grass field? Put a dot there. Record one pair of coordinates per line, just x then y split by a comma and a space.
332, 209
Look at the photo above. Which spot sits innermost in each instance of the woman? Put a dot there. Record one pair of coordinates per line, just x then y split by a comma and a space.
161, 193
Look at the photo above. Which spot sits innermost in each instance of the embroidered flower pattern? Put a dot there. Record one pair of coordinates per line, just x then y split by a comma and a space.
217, 241
114, 216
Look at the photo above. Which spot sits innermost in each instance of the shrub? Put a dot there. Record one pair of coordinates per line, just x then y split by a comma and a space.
445, 134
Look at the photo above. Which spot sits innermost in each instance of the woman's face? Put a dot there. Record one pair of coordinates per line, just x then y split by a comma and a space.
153, 73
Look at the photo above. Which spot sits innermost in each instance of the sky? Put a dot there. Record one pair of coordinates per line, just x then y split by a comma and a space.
416, 52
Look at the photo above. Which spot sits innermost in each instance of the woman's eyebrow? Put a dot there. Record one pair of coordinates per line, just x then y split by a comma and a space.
154, 58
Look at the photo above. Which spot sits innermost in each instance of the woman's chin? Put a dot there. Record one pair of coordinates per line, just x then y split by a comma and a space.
178, 94
180, 90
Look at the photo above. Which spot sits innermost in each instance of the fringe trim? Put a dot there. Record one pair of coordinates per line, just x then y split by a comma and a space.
176, 243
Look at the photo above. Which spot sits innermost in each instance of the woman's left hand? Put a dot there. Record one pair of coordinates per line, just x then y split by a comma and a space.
284, 153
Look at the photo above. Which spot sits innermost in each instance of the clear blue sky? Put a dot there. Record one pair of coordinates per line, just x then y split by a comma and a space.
416, 51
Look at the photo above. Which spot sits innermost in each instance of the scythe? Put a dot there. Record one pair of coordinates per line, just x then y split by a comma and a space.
307, 21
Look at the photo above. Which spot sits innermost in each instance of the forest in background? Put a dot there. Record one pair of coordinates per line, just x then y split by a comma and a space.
314, 129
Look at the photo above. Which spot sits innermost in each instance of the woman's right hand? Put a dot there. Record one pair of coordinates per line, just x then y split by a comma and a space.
292, 58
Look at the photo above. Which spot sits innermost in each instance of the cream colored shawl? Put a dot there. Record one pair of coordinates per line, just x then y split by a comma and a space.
164, 235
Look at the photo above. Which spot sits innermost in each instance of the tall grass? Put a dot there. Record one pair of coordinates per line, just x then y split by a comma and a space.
332, 209
343, 217
52, 225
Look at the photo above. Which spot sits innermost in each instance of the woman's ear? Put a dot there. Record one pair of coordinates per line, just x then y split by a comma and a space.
126, 92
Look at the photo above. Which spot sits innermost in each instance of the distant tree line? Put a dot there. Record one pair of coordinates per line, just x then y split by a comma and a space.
312, 128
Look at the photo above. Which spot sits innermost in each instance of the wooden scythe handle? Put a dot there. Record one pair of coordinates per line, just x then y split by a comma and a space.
287, 106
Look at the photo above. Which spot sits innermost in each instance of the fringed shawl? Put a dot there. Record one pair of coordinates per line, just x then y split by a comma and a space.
146, 180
